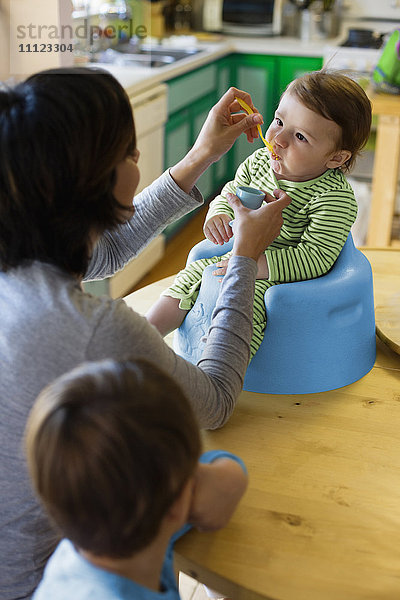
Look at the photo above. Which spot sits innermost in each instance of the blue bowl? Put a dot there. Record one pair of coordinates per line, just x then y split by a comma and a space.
250, 197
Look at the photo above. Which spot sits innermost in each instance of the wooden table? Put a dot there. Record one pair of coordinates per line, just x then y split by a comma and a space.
387, 294
386, 168
321, 517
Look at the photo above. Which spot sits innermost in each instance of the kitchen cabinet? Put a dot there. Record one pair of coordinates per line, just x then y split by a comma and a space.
190, 98
291, 67
256, 74
224, 168
206, 182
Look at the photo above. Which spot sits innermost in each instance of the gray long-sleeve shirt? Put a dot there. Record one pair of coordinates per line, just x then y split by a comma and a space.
49, 325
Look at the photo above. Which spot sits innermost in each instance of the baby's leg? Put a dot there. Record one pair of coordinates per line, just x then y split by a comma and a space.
166, 315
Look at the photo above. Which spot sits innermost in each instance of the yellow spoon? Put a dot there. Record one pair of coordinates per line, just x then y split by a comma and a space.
250, 111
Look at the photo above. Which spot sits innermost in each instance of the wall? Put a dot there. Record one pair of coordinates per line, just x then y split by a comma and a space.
375, 9
32, 34
4, 40
382, 16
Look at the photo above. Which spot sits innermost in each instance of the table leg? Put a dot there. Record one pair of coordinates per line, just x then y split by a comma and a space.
384, 181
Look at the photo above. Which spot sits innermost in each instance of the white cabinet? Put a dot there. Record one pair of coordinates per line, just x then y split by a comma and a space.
150, 114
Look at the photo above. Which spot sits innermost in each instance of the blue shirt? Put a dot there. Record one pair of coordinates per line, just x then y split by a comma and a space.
69, 576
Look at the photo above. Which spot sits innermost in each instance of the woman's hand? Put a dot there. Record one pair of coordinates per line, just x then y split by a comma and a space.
217, 229
218, 134
262, 267
255, 230
224, 124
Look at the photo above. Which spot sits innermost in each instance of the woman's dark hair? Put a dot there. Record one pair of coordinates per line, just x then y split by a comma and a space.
62, 133
110, 446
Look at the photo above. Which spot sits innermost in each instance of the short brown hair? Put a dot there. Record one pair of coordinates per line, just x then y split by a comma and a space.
339, 98
110, 446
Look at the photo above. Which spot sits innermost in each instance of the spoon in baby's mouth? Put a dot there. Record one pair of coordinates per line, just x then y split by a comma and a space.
250, 111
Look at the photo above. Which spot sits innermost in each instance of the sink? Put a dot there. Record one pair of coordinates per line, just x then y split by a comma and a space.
144, 56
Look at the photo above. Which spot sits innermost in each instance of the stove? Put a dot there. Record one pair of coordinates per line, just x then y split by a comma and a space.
363, 38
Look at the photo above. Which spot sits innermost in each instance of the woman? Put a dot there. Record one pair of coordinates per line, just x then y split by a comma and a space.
68, 173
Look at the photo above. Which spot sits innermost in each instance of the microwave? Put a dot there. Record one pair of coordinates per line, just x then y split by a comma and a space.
241, 17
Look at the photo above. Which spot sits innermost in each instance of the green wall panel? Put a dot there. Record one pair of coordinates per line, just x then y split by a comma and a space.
188, 88
291, 67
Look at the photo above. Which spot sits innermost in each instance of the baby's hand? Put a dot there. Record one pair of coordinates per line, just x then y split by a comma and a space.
222, 267
218, 230
262, 268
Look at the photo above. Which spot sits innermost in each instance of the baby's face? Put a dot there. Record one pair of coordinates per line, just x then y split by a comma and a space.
304, 142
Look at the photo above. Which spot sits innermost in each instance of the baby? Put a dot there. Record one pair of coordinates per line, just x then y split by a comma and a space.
322, 122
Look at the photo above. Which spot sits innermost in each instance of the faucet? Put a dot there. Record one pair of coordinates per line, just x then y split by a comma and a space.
110, 13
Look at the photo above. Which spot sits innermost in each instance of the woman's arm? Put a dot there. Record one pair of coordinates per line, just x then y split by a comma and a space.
159, 204
215, 383
172, 195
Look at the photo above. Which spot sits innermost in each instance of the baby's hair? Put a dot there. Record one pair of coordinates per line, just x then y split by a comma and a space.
62, 133
338, 98
110, 446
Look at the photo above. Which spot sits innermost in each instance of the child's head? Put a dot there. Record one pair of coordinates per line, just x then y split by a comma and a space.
321, 114
62, 135
111, 445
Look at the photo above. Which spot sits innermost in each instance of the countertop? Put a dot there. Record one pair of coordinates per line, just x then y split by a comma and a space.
137, 79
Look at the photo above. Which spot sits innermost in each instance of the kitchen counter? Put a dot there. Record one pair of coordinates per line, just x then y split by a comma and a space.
138, 79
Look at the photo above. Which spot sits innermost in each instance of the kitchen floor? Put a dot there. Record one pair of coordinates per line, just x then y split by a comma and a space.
176, 251
190, 589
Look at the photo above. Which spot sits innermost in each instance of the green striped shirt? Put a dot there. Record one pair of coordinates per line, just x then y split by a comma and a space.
316, 222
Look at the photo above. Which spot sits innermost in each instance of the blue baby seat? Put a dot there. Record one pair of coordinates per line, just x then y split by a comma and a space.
320, 333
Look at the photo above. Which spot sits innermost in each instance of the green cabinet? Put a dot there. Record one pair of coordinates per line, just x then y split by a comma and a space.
206, 182
256, 74
178, 137
225, 79
291, 67
190, 98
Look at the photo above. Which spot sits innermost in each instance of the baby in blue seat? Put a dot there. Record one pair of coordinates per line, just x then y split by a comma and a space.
322, 122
